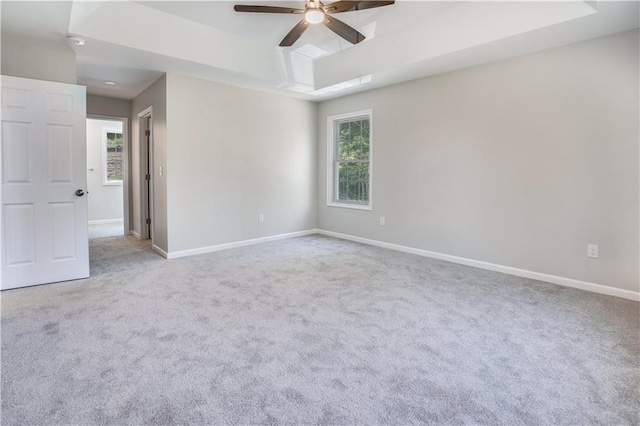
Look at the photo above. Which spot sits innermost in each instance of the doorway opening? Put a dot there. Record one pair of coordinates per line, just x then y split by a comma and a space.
107, 181
145, 138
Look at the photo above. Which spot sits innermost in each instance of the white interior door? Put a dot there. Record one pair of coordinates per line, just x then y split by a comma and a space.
44, 222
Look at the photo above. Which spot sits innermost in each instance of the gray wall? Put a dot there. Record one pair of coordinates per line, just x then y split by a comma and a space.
105, 201
155, 96
519, 163
27, 59
233, 154
112, 107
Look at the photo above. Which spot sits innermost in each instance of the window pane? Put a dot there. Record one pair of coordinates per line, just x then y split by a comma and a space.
362, 182
345, 146
356, 130
356, 139
342, 181
343, 154
114, 161
355, 144
353, 140
364, 155
353, 181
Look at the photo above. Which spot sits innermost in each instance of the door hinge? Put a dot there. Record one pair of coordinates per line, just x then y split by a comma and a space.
147, 132
148, 221
147, 177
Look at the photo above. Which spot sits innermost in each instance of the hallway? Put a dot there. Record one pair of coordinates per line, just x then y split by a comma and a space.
116, 253
102, 230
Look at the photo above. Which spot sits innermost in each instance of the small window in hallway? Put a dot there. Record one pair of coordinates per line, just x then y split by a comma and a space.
112, 152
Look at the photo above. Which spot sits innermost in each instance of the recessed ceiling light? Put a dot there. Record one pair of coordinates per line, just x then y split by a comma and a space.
76, 40
109, 83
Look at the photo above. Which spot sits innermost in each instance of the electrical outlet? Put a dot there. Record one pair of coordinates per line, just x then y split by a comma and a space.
382, 221
592, 250
260, 218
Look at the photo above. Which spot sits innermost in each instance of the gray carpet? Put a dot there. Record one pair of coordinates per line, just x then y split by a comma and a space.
312, 330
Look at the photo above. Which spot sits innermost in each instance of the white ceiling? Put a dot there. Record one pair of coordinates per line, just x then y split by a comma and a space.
132, 43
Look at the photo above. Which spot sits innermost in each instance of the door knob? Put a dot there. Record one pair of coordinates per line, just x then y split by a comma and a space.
79, 192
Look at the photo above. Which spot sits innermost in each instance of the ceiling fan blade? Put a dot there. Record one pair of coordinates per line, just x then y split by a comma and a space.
348, 6
266, 9
295, 33
343, 30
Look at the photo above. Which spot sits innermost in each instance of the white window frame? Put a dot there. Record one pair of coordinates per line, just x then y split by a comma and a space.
105, 181
332, 180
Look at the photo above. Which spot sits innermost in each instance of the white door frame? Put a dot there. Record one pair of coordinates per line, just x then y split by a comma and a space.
126, 181
144, 214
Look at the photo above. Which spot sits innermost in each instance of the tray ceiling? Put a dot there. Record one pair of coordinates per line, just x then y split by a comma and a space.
132, 43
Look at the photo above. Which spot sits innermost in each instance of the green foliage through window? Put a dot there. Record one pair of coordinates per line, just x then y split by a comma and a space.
114, 159
114, 142
352, 160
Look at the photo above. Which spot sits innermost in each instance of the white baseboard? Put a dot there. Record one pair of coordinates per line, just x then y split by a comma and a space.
159, 251
210, 249
105, 221
567, 282
135, 234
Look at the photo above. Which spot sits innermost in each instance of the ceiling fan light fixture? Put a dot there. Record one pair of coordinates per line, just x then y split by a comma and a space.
315, 12
314, 16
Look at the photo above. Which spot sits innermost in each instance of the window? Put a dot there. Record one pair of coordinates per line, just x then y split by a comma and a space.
112, 157
349, 160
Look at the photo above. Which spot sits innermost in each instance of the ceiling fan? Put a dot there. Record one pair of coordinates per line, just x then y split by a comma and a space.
316, 12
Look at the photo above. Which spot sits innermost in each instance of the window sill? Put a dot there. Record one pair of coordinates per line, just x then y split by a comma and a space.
350, 206
112, 184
